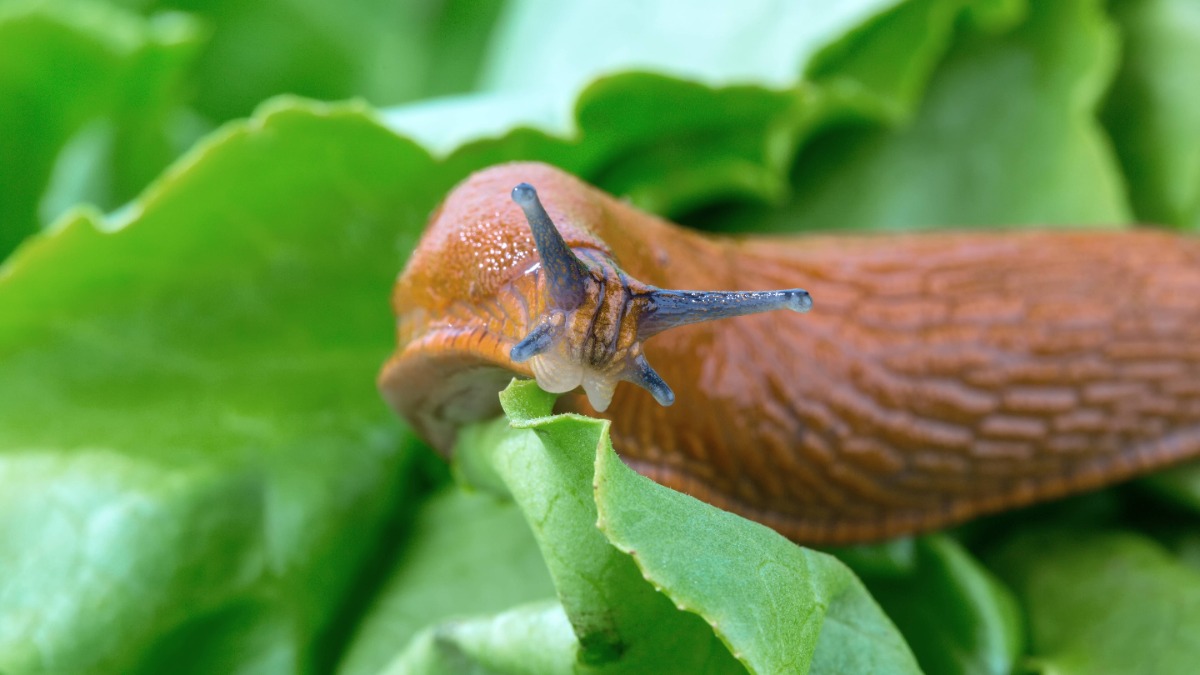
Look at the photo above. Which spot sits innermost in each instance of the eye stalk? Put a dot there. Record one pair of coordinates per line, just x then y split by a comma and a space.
597, 317
566, 275
671, 309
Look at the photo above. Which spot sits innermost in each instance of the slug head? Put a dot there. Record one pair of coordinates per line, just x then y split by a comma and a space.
597, 317
501, 284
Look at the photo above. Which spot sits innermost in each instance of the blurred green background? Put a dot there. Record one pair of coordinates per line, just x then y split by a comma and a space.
101, 97
203, 206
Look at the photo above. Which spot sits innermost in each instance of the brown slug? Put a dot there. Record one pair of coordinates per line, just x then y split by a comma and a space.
942, 375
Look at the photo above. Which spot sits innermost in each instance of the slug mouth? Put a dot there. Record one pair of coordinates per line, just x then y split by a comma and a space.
448, 377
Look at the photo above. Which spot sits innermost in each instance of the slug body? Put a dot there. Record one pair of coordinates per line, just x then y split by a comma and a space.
941, 376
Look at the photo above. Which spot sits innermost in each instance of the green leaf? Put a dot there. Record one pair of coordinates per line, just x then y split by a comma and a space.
1151, 109
884, 66
1103, 602
68, 64
661, 561
1184, 544
1006, 135
216, 344
529, 639
546, 463
717, 44
467, 554
692, 124
1180, 485
388, 52
888, 559
953, 613
778, 607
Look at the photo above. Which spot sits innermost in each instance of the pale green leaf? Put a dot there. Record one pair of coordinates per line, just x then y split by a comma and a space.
1151, 109
1103, 602
467, 554
65, 65
957, 617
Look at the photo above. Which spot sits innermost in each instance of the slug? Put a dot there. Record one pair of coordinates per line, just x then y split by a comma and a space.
940, 376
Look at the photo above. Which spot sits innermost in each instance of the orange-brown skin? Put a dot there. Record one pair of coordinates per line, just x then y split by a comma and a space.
939, 377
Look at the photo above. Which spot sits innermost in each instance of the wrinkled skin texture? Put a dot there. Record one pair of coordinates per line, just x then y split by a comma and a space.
939, 376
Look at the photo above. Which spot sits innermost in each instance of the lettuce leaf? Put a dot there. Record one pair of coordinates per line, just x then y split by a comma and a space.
636, 565
1151, 110
97, 80
1086, 594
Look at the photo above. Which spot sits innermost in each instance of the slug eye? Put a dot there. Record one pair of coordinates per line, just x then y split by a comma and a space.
558, 354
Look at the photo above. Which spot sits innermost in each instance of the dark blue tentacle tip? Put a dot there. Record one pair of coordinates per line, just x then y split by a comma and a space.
524, 195
522, 351
801, 300
538, 341
647, 378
